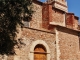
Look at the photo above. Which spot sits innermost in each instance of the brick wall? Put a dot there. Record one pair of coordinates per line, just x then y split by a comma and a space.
41, 17
71, 21
46, 15
58, 17
76, 22
68, 44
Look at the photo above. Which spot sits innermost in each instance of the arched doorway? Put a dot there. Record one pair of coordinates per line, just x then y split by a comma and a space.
44, 48
40, 52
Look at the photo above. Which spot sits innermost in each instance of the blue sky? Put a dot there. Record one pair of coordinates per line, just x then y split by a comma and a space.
73, 6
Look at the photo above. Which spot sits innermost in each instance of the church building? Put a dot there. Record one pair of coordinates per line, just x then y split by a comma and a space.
52, 34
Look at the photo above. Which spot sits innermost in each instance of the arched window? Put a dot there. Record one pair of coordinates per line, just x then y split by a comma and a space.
40, 52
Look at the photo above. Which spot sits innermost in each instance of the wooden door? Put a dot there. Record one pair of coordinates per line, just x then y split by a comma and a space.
39, 53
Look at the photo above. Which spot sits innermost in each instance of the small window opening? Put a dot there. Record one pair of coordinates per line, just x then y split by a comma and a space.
26, 23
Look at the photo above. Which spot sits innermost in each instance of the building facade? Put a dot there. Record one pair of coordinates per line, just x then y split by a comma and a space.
52, 34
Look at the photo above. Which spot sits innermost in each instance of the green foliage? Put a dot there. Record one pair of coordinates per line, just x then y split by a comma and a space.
12, 12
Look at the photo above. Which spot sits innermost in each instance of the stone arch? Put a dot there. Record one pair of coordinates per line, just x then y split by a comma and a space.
31, 55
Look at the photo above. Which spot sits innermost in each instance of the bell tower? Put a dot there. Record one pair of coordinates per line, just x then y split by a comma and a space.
59, 4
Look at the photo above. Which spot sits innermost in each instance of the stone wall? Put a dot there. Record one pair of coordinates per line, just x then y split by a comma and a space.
63, 42
68, 44
28, 36
58, 17
36, 21
41, 17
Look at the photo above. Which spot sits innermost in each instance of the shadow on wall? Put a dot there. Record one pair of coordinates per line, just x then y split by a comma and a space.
66, 30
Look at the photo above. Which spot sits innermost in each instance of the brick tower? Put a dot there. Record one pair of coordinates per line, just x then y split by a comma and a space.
59, 4
59, 10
